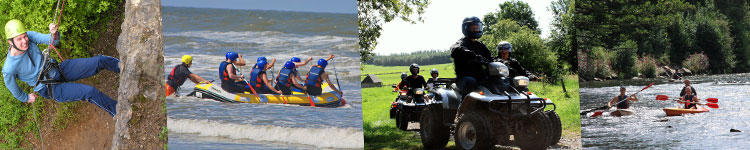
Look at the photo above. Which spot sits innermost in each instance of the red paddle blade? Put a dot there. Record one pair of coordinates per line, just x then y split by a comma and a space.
712, 100
712, 105
597, 114
662, 97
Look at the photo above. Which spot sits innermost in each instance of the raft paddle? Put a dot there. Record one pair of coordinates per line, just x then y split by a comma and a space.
337, 81
248, 83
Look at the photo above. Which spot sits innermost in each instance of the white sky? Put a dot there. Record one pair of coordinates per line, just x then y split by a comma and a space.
442, 25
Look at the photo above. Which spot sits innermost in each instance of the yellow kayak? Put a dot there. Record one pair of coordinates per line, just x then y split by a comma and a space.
329, 98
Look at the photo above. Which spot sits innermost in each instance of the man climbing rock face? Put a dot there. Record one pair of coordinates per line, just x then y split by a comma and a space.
49, 78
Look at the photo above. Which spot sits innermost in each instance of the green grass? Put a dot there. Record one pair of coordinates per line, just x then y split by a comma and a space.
381, 131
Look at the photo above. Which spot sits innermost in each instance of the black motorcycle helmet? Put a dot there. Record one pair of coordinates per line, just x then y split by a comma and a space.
504, 45
433, 71
466, 25
404, 75
413, 67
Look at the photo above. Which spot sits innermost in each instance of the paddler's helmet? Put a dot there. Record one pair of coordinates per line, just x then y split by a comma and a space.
466, 25
289, 65
14, 28
322, 63
187, 59
295, 59
232, 56
261, 64
262, 58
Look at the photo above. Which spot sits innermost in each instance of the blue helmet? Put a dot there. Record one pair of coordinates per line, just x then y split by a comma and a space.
261, 64
296, 59
322, 62
471, 21
289, 64
232, 56
261, 59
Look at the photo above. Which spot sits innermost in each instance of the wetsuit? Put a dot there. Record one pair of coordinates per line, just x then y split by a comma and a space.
468, 61
256, 80
177, 77
228, 84
690, 101
622, 102
284, 81
314, 80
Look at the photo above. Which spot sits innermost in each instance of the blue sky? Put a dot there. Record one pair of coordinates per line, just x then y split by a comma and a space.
327, 6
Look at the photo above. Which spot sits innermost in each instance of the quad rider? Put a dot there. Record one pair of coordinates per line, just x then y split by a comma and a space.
504, 49
285, 79
622, 101
315, 77
180, 73
402, 84
51, 79
469, 56
259, 78
413, 81
431, 81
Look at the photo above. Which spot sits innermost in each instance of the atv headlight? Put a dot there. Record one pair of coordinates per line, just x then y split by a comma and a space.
521, 81
419, 91
498, 69
403, 94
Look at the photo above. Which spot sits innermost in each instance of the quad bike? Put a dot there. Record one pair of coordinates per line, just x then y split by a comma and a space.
488, 116
407, 107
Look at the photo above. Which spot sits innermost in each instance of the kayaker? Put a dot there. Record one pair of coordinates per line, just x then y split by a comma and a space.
285, 79
689, 99
622, 101
431, 81
504, 49
317, 75
180, 73
259, 79
230, 81
687, 84
52, 80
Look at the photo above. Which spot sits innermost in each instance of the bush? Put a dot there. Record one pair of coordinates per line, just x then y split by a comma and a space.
594, 63
697, 63
528, 48
646, 65
625, 58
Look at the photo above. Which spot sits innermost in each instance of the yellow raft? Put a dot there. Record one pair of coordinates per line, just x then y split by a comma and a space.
329, 98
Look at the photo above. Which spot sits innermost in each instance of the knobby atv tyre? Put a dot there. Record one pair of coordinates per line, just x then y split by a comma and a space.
402, 120
534, 133
434, 134
556, 127
473, 131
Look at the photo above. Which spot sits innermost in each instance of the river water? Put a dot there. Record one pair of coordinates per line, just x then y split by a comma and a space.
650, 128
207, 34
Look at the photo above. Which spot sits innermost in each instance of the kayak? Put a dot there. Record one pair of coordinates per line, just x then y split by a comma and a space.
680, 111
621, 112
329, 98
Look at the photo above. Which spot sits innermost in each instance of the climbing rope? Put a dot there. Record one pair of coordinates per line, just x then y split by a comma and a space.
36, 120
56, 20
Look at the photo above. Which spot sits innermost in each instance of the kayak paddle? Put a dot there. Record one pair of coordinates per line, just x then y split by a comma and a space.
594, 109
665, 97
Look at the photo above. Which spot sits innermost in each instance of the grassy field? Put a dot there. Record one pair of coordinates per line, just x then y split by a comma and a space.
381, 131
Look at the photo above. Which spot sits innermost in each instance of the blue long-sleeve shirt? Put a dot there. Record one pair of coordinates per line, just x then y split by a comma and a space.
21, 66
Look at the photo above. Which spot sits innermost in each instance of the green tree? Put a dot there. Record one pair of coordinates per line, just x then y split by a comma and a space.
562, 36
514, 10
528, 47
373, 13
625, 59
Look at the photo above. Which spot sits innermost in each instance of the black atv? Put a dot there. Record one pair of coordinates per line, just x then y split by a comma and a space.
407, 107
501, 107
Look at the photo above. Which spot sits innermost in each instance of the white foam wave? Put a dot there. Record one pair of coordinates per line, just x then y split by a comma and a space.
270, 38
319, 137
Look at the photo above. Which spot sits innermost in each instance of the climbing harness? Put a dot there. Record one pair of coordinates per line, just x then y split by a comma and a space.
47, 65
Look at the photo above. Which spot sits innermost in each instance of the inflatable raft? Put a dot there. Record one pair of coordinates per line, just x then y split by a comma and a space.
329, 98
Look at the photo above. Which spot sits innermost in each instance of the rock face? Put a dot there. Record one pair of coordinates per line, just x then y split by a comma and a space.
140, 46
